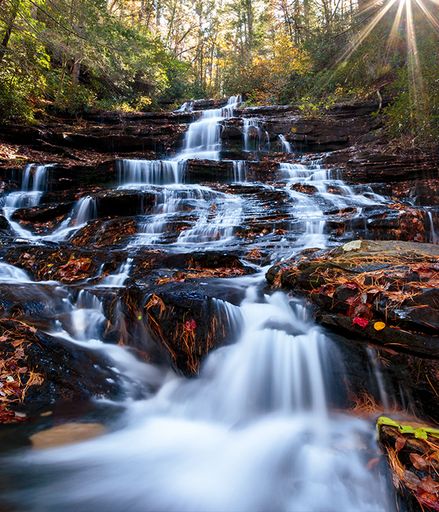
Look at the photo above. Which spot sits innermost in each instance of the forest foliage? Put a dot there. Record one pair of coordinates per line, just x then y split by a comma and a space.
68, 56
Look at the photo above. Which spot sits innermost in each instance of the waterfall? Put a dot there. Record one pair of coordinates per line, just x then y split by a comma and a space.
252, 134
203, 137
434, 236
216, 222
286, 146
149, 172
84, 210
87, 317
239, 171
261, 428
252, 433
33, 184
308, 206
11, 274
186, 107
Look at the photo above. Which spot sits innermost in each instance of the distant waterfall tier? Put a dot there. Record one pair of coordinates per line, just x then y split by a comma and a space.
150, 172
286, 146
203, 138
254, 137
34, 183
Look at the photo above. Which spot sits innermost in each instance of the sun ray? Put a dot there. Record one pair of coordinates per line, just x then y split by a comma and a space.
394, 30
362, 35
434, 22
416, 83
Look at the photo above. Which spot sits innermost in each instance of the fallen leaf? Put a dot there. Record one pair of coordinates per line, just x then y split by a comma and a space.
418, 461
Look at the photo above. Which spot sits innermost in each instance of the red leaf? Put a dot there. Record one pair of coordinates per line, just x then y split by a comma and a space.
190, 325
361, 322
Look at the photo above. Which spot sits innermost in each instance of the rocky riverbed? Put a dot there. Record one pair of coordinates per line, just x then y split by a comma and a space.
132, 246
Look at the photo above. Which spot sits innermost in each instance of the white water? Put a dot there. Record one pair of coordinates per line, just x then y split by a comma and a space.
186, 107
434, 236
216, 222
308, 207
239, 171
118, 280
11, 274
254, 137
85, 209
203, 137
255, 431
252, 433
156, 172
34, 184
216, 214
286, 146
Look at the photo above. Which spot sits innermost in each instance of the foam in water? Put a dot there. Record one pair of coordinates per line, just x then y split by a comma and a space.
253, 433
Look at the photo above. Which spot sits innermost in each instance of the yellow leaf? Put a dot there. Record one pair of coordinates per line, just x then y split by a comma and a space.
379, 326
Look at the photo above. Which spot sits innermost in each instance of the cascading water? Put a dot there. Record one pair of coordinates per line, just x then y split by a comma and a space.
117, 280
216, 214
33, 185
258, 429
434, 236
203, 138
309, 188
216, 222
11, 274
253, 432
239, 171
286, 146
149, 172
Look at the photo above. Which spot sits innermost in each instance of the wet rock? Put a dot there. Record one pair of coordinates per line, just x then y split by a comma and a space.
378, 166
391, 222
38, 371
412, 453
124, 203
380, 291
67, 433
304, 189
105, 233
42, 213
37, 305
208, 170
184, 324
63, 263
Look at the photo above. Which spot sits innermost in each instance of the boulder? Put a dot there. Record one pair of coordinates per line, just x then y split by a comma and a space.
384, 292
39, 372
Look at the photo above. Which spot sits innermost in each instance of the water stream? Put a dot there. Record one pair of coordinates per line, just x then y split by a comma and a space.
257, 429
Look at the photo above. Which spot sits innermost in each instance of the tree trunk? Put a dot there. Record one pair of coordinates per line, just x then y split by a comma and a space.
9, 28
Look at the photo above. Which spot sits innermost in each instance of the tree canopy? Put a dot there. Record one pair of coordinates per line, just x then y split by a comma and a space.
72, 55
